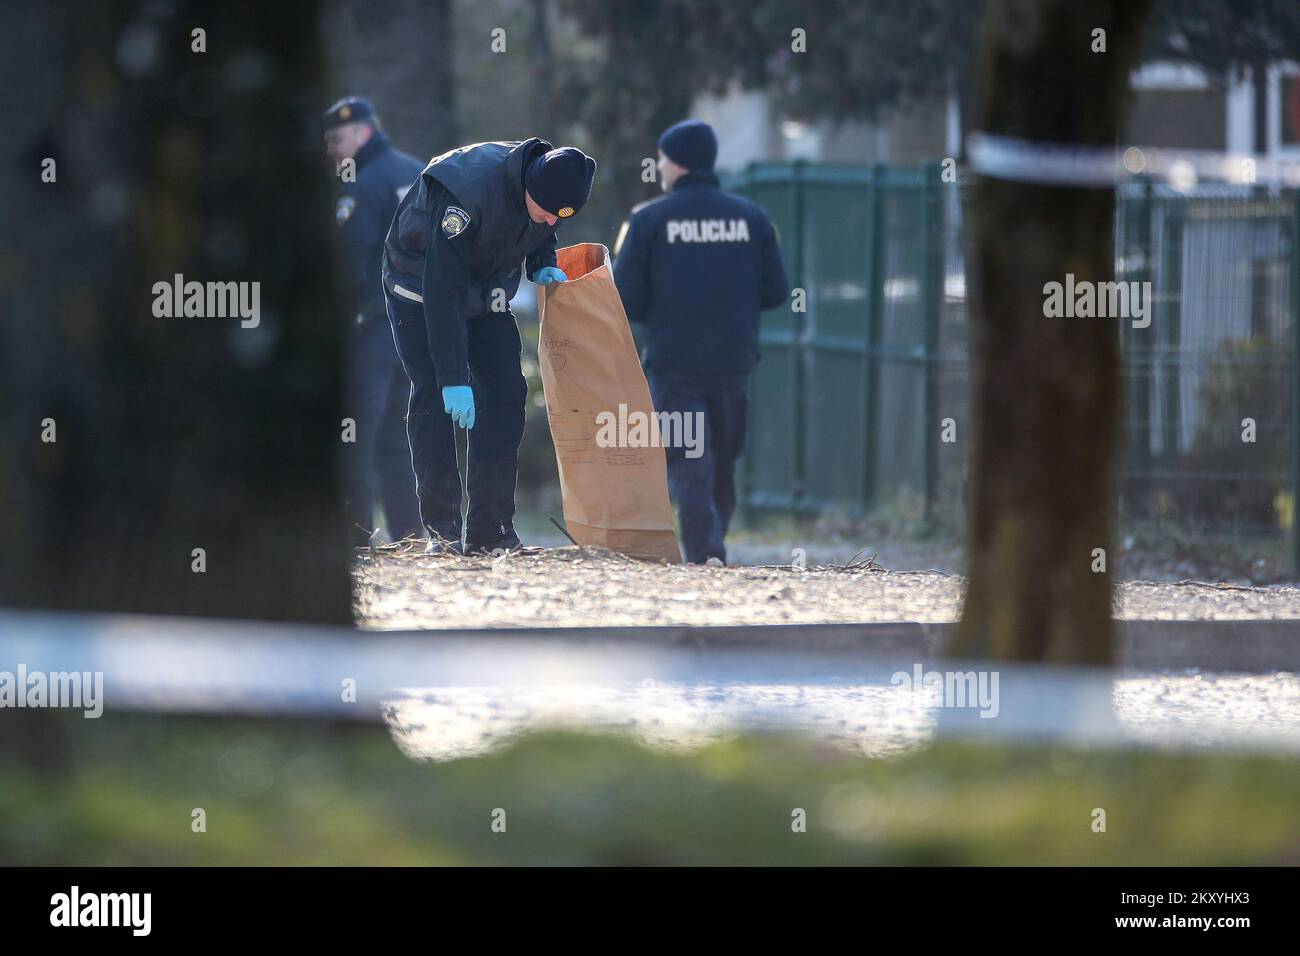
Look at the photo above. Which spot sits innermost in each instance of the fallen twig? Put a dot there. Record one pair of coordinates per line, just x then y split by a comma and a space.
564, 531
1187, 582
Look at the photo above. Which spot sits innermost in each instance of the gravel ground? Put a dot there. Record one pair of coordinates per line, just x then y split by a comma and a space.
398, 588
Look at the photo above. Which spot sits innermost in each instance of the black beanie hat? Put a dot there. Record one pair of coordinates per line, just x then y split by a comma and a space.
560, 181
690, 143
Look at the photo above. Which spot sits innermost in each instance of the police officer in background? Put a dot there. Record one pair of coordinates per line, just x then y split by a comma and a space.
697, 266
477, 219
378, 462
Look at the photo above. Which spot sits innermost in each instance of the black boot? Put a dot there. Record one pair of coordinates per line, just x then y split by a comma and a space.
505, 540
444, 544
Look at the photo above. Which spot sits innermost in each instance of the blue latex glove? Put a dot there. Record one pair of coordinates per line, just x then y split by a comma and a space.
458, 402
548, 274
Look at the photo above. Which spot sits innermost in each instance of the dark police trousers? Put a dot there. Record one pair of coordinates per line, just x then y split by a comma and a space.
500, 392
704, 487
378, 462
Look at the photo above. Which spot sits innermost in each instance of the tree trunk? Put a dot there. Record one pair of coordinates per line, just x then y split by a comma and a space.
170, 434
1046, 390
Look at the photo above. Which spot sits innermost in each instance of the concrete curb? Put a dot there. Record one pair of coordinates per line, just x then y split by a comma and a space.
1254, 646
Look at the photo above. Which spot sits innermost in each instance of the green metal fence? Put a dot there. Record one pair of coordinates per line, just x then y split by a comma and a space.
860, 376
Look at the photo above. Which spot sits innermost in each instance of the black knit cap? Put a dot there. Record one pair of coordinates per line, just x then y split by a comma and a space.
560, 181
690, 143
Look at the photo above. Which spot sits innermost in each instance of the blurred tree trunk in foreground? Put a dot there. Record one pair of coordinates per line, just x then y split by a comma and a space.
1046, 390
171, 434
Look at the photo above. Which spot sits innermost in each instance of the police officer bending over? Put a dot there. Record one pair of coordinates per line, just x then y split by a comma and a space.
451, 265
697, 267
379, 460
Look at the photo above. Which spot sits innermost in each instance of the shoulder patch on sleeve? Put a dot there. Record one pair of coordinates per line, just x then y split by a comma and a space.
454, 221
344, 209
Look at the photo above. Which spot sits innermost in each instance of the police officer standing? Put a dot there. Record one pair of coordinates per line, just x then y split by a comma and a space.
378, 461
697, 266
452, 263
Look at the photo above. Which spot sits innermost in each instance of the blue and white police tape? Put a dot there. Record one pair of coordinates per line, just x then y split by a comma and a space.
1102, 167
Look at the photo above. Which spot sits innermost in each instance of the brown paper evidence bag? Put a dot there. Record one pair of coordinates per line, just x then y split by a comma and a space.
615, 495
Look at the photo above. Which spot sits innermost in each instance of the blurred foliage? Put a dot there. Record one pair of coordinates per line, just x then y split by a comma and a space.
1230, 481
610, 75
653, 57
646, 60
398, 54
1221, 34
301, 793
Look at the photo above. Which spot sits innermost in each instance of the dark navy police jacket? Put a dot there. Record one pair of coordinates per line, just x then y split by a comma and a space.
697, 266
364, 210
461, 234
